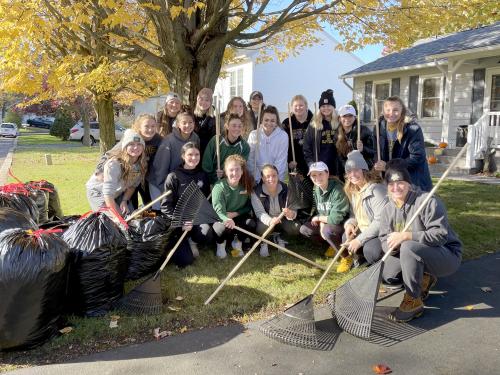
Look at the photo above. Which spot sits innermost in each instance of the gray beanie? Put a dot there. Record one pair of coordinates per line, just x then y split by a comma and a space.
355, 160
131, 136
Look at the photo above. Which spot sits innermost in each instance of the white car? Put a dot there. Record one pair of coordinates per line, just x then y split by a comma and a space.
76, 132
8, 129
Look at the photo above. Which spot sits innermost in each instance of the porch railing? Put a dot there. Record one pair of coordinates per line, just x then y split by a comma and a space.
481, 136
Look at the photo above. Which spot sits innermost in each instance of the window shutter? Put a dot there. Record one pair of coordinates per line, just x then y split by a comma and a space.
367, 115
395, 86
413, 95
477, 94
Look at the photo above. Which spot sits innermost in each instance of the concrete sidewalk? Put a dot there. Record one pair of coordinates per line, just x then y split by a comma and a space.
458, 334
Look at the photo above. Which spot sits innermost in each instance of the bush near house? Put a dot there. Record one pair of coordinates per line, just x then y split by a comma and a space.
13, 116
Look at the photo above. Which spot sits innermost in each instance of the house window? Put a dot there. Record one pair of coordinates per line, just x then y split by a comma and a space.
236, 83
381, 91
430, 97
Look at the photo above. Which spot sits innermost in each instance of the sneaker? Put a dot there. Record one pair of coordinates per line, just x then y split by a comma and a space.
221, 250
237, 249
428, 283
409, 309
359, 261
330, 252
345, 264
264, 250
194, 248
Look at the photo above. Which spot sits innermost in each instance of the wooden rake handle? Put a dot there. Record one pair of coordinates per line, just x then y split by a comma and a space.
140, 211
291, 131
240, 263
284, 249
217, 133
322, 278
429, 196
170, 254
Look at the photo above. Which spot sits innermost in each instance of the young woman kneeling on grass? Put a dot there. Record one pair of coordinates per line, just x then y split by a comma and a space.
333, 210
430, 250
269, 199
230, 144
122, 173
231, 201
367, 198
177, 181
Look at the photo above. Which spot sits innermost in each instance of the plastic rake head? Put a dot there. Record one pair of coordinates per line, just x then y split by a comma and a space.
193, 206
300, 192
353, 303
144, 299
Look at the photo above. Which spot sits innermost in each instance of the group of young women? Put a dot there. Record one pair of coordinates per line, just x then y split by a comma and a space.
246, 173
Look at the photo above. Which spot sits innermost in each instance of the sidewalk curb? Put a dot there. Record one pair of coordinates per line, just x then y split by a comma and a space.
7, 163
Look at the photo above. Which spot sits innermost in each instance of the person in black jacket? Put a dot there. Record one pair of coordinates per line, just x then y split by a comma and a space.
177, 181
269, 199
403, 138
204, 119
347, 137
255, 104
300, 118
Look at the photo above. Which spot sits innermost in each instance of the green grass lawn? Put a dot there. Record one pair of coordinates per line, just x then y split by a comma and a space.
262, 286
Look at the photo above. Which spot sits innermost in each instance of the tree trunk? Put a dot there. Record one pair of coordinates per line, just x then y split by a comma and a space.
86, 126
105, 116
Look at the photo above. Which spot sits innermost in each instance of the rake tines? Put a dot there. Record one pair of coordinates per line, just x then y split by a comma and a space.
353, 303
193, 206
145, 298
300, 192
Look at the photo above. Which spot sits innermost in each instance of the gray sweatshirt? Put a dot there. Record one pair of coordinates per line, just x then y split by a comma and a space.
168, 157
431, 227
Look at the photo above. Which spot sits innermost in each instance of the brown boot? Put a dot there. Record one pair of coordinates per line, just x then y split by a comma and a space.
428, 283
409, 309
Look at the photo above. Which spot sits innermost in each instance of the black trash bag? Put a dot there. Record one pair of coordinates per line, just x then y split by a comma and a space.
12, 219
146, 245
16, 196
62, 224
54, 204
97, 271
41, 200
33, 280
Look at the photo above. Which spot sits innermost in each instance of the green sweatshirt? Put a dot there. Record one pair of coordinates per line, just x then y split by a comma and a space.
209, 163
227, 199
332, 203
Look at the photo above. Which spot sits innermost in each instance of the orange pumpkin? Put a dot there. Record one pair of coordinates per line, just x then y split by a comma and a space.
443, 144
432, 159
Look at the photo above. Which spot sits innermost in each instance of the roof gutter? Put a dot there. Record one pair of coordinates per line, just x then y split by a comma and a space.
382, 71
347, 84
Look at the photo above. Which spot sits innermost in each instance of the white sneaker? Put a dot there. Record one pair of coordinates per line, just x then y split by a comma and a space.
237, 248
194, 248
264, 250
221, 250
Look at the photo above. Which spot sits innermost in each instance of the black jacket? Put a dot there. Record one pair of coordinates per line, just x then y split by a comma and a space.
323, 143
264, 198
299, 131
177, 181
205, 128
368, 146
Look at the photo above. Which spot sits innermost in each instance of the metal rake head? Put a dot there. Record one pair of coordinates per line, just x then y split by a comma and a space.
144, 299
193, 206
300, 192
353, 303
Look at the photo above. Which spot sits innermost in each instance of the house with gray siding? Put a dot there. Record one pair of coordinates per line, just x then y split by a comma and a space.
449, 83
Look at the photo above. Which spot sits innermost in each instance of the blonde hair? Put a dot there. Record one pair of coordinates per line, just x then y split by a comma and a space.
124, 159
246, 114
140, 119
371, 177
317, 120
198, 112
400, 124
298, 97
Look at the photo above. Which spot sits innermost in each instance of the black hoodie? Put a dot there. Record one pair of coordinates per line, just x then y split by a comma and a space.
299, 131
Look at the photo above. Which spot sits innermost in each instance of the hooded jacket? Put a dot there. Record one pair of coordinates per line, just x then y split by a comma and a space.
322, 142
272, 149
299, 131
209, 165
205, 128
431, 227
332, 202
168, 157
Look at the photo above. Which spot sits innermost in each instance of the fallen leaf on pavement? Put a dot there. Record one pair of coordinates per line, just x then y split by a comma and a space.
66, 330
486, 289
381, 369
183, 329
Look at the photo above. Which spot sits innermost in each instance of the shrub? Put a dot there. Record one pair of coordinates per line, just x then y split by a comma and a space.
13, 116
62, 124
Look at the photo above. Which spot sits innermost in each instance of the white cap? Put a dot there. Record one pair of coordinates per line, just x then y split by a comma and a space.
172, 96
318, 167
347, 110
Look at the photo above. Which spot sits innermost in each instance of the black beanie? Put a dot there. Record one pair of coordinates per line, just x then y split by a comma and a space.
397, 170
327, 98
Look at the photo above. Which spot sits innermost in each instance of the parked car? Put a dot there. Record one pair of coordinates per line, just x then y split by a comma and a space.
8, 129
41, 122
76, 132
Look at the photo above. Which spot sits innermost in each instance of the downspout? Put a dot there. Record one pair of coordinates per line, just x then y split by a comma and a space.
348, 85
